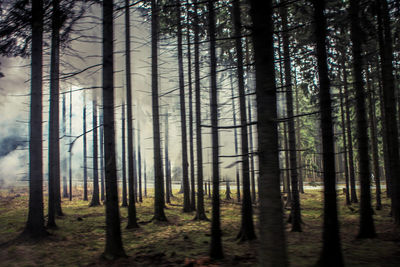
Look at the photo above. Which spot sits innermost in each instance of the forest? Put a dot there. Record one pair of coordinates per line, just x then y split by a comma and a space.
199, 133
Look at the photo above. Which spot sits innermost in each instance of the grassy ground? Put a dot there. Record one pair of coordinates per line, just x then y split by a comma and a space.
79, 239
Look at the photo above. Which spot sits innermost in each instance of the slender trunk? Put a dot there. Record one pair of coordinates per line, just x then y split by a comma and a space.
85, 189
54, 139
191, 153
353, 193
70, 144
139, 176
186, 186
386, 55
95, 197
235, 139
251, 154
64, 161
331, 254
124, 194
166, 151
247, 226
374, 142
295, 211
216, 242
228, 191
159, 204
35, 223
145, 178
132, 220
113, 248
367, 228
346, 167
272, 248
102, 154
298, 144
200, 212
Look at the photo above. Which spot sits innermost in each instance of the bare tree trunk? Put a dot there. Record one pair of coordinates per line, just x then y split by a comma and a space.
235, 139
102, 154
54, 138
186, 188
85, 189
145, 179
64, 161
272, 249
132, 223
247, 226
159, 204
70, 140
367, 228
35, 224
139, 176
124, 193
331, 254
95, 197
251, 154
166, 151
113, 248
216, 242
295, 209
200, 212
299, 161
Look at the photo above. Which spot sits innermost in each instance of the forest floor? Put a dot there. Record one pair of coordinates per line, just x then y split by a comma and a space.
80, 237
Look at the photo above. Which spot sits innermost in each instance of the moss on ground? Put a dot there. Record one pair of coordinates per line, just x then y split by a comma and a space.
79, 239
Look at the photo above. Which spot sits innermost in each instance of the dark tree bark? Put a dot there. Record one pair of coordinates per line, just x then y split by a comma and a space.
216, 242
132, 220
64, 161
70, 144
247, 226
113, 248
295, 209
235, 139
95, 197
35, 224
85, 166
228, 191
331, 254
139, 176
101, 129
185, 175
374, 142
124, 193
346, 167
367, 228
389, 102
159, 202
145, 178
166, 151
200, 212
251, 151
54, 138
298, 143
272, 248
191, 153
353, 193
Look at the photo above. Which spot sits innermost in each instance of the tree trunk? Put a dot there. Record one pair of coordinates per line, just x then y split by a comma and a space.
295, 209
247, 226
139, 176
272, 248
159, 204
132, 220
166, 151
186, 186
145, 178
85, 167
124, 194
216, 242
374, 142
54, 138
367, 228
353, 193
95, 197
386, 55
331, 254
298, 144
251, 151
64, 161
101, 129
70, 144
113, 248
35, 224
200, 212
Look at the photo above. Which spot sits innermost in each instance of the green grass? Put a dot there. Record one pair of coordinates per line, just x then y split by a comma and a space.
79, 239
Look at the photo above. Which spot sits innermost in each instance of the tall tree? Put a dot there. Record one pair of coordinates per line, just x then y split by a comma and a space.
247, 226
367, 228
54, 138
85, 189
95, 194
272, 249
166, 156
132, 220
200, 212
101, 130
139, 161
235, 138
331, 254
64, 161
389, 103
124, 193
113, 248
185, 174
35, 224
70, 144
159, 202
